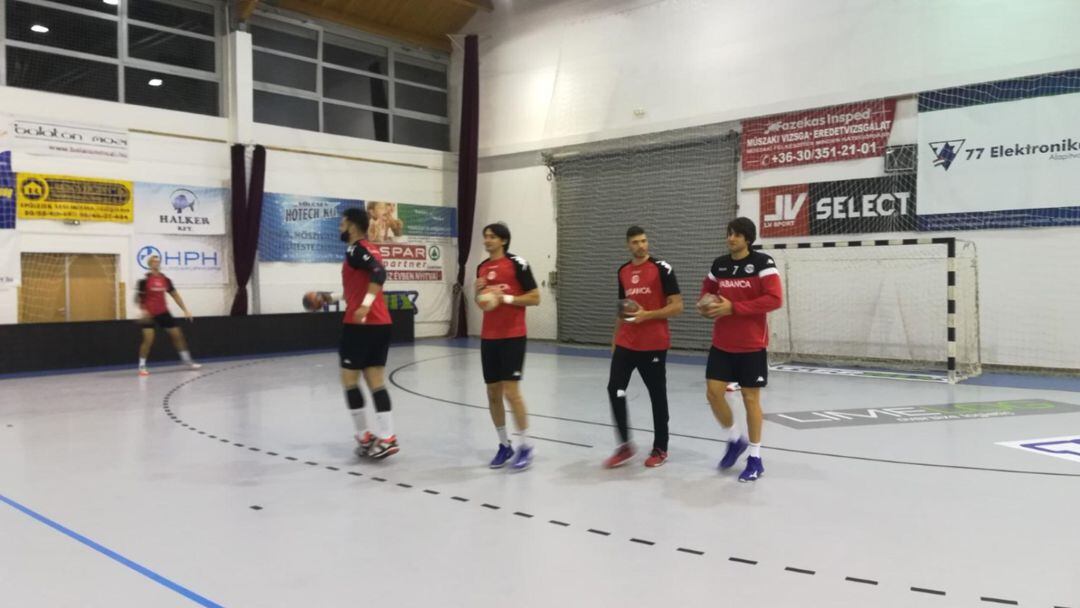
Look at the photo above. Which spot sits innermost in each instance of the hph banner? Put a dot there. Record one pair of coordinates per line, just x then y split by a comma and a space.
187, 260
1001, 165
825, 135
172, 209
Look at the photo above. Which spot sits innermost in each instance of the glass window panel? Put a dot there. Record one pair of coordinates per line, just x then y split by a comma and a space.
355, 54
347, 86
66, 30
59, 74
354, 122
294, 73
420, 100
429, 73
170, 15
281, 37
421, 133
286, 111
174, 92
92, 5
173, 49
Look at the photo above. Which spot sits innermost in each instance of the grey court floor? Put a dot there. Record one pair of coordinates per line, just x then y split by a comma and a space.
236, 486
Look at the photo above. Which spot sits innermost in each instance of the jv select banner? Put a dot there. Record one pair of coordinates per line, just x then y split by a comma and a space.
63, 197
854, 206
172, 209
1007, 164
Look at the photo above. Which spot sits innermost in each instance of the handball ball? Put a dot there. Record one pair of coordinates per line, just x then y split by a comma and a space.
628, 307
706, 301
488, 300
312, 301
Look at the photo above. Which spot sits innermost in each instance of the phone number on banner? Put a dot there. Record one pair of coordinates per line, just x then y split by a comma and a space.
824, 153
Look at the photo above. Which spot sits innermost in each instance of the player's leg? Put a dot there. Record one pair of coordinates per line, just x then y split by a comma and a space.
754, 377
653, 370
622, 367
349, 357
168, 323
511, 371
489, 359
719, 372
377, 346
144, 348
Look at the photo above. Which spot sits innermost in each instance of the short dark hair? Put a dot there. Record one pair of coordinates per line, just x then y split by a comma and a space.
500, 230
358, 217
633, 231
745, 227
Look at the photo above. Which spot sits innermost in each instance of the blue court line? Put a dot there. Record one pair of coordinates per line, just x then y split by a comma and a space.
148, 573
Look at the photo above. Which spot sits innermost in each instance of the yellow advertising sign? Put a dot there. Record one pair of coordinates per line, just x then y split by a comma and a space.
62, 197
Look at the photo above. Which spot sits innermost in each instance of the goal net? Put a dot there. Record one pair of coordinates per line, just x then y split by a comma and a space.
901, 308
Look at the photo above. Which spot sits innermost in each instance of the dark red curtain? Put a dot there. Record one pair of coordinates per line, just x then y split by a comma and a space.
246, 215
467, 168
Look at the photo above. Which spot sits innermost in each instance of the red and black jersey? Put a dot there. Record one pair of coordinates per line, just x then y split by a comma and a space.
753, 286
648, 284
513, 276
150, 293
363, 266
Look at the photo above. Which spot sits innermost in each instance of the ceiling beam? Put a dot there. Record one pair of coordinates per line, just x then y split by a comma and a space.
246, 8
309, 8
482, 5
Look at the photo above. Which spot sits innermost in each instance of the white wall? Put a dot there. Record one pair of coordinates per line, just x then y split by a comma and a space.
367, 170
564, 72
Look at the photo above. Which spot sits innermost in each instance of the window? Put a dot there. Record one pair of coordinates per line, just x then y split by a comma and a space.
160, 53
331, 80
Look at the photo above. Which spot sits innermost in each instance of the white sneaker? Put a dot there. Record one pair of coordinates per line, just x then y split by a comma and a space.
143, 371
194, 365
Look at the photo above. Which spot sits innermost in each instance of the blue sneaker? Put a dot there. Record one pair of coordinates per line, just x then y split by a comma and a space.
734, 450
502, 456
524, 458
753, 471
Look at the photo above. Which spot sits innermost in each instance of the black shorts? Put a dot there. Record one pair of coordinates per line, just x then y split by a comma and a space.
750, 370
165, 321
503, 360
364, 346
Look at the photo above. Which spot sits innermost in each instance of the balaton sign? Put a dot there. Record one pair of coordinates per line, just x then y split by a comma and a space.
48, 138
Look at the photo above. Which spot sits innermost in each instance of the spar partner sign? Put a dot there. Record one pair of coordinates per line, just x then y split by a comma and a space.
847, 132
412, 262
1001, 165
881, 204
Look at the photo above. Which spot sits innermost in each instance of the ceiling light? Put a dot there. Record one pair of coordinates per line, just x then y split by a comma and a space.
156, 82
38, 28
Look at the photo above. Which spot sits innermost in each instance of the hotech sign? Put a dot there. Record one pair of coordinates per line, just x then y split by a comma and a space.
885, 204
979, 410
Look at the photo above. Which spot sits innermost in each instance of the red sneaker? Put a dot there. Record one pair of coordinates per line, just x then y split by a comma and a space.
622, 454
656, 458
384, 447
365, 443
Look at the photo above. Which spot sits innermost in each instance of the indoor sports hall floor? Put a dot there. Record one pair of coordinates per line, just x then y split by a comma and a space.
236, 486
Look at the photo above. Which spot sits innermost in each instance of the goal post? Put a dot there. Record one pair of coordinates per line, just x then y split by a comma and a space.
904, 308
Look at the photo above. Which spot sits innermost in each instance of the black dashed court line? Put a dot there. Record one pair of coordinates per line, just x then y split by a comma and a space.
997, 600
176, 419
311, 463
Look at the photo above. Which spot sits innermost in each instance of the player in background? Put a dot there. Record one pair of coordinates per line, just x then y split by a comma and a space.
741, 288
504, 287
365, 336
642, 339
150, 296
